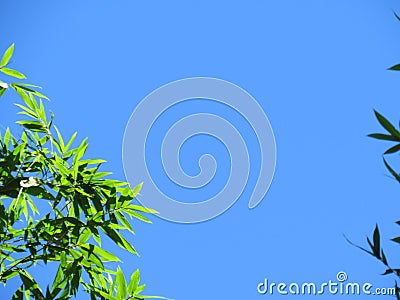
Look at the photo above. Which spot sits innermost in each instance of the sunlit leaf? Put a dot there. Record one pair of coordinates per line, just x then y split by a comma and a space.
12, 73
133, 282
121, 285
7, 56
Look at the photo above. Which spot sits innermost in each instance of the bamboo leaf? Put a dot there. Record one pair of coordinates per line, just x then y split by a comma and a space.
384, 137
12, 73
387, 125
7, 56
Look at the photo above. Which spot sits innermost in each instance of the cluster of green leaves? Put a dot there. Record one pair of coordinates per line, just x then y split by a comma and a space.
392, 134
85, 207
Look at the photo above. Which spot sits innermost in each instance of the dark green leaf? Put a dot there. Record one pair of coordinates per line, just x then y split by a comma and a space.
27, 88
384, 260
119, 239
393, 149
395, 68
385, 137
18, 295
377, 242
30, 283
388, 271
387, 125
32, 125
371, 245
397, 17
393, 172
40, 192
124, 221
2, 91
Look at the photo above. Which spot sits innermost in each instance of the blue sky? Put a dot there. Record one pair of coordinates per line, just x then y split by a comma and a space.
317, 68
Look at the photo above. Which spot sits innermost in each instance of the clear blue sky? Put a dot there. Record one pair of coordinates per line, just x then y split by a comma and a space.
317, 68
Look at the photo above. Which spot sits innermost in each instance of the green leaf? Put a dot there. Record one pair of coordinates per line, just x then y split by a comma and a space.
84, 236
13, 73
396, 239
71, 140
142, 209
32, 125
106, 256
134, 282
80, 152
121, 285
28, 101
60, 139
40, 192
105, 295
97, 238
8, 275
377, 242
30, 283
385, 137
18, 295
387, 125
27, 88
397, 17
92, 161
23, 84
393, 149
118, 239
7, 56
31, 204
90, 255
137, 189
384, 260
124, 221
113, 285
140, 288
2, 91
393, 172
395, 68
58, 279
27, 111
388, 271
153, 297
7, 247
139, 216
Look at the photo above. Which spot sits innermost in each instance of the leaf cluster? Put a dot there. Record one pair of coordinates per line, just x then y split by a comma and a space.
391, 134
84, 207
